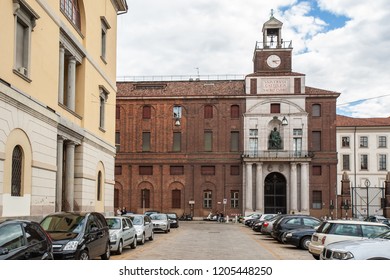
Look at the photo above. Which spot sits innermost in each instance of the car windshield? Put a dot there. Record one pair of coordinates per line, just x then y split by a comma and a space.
172, 216
60, 223
113, 223
137, 220
158, 217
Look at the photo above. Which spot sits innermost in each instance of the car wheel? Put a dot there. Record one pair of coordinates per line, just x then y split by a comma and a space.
107, 254
120, 248
134, 244
84, 255
151, 236
143, 239
305, 241
316, 257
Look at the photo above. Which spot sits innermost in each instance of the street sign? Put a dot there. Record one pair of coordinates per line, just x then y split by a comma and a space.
224, 201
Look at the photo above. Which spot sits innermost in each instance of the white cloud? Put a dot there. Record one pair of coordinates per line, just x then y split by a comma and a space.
174, 37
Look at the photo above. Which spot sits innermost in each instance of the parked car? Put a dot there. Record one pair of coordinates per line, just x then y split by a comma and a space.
338, 230
250, 216
267, 226
161, 222
122, 233
78, 235
143, 226
289, 222
150, 212
24, 240
377, 219
173, 219
300, 237
257, 224
377, 248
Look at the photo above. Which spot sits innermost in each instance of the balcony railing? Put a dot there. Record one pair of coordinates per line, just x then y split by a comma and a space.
273, 45
270, 154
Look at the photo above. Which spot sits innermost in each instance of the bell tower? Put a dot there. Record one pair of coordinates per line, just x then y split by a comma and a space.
273, 54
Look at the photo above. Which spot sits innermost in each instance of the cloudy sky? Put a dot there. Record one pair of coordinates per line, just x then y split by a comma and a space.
341, 45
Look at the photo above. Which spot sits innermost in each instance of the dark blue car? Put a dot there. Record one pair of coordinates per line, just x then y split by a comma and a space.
298, 237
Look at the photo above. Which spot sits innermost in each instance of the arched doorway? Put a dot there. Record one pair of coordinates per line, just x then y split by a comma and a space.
275, 193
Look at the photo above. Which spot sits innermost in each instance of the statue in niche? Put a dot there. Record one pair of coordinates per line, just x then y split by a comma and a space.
275, 141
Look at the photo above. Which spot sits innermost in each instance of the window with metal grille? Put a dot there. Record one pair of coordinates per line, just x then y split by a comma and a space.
176, 170
234, 170
207, 199
345, 142
208, 170
146, 112
71, 10
275, 108
382, 162
176, 198
382, 143
363, 142
234, 199
364, 162
146, 170
208, 112
145, 198
346, 162
17, 171
234, 111
317, 200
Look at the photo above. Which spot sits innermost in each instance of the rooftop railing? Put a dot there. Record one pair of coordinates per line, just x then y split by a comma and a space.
190, 78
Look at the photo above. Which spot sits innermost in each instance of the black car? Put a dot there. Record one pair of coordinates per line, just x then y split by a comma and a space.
78, 235
300, 238
377, 219
174, 220
24, 240
289, 222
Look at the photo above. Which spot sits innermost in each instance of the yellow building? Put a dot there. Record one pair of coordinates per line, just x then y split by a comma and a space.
57, 105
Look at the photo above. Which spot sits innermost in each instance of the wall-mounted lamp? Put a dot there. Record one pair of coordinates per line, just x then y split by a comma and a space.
284, 121
177, 122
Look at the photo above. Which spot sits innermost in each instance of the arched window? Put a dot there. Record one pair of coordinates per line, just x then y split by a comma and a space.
71, 10
17, 171
99, 186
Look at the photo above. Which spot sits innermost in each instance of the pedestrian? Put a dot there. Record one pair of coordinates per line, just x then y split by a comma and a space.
118, 212
124, 211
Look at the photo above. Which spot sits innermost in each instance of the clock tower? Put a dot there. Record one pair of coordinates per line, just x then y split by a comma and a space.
273, 54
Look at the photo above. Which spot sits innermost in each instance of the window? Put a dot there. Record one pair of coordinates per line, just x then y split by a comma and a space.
297, 132
117, 141
208, 170
234, 170
382, 143
99, 186
317, 200
177, 112
176, 142
364, 162
253, 132
17, 171
345, 142
176, 198
103, 99
71, 10
382, 162
118, 169
363, 142
234, 111
316, 138
105, 27
208, 141
253, 87
25, 19
297, 142
146, 141
234, 199
145, 198
208, 112
146, 170
253, 146
316, 110
146, 112
207, 199
118, 112
176, 170
317, 170
346, 162
275, 108
234, 141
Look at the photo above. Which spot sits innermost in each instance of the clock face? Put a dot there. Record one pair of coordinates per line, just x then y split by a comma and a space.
273, 61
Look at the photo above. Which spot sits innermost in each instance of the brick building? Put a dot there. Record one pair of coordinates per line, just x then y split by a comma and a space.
264, 143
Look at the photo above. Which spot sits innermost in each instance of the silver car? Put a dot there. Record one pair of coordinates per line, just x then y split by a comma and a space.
377, 248
161, 222
122, 233
143, 226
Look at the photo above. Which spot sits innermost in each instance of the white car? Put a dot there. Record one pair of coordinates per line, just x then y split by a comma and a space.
161, 222
377, 248
122, 233
339, 230
143, 226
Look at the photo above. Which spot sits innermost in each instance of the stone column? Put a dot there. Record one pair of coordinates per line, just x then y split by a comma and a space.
249, 188
61, 75
293, 188
69, 176
305, 188
60, 161
259, 188
71, 86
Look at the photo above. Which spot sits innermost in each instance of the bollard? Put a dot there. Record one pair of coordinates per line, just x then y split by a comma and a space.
227, 219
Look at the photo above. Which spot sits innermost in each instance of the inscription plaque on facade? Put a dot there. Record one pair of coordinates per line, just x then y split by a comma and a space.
275, 85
